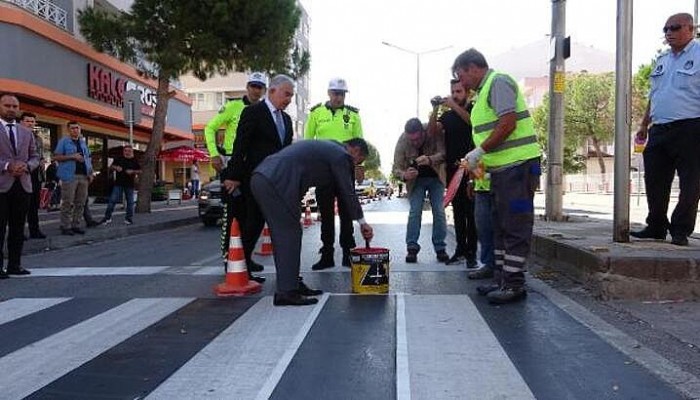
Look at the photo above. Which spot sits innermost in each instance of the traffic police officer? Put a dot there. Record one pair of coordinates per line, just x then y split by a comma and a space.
229, 115
506, 143
337, 121
673, 112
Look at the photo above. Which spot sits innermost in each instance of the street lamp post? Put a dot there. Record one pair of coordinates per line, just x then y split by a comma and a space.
417, 54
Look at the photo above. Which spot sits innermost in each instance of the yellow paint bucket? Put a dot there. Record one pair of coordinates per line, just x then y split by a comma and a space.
370, 270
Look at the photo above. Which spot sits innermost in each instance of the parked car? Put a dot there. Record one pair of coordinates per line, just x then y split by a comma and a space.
210, 205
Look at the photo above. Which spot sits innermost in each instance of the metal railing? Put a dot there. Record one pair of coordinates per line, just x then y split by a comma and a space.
45, 9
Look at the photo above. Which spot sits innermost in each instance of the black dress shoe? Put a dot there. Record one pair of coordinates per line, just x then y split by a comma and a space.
17, 271
679, 240
647, 233
307, 291
78, 231
37, 235
324, 263
67, 232
3, 274
254, 267
346, 259
292, 298
257, 278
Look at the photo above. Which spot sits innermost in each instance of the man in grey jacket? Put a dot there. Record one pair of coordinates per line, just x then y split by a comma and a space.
279, 183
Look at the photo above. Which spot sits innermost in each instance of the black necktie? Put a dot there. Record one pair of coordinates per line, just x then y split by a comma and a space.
12, 137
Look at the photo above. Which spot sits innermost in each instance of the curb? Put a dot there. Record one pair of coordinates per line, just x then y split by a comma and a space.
97, 234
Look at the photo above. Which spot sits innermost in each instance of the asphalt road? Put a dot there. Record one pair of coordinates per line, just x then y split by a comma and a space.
137, 318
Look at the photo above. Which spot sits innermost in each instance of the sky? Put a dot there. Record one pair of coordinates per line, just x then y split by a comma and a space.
346, 41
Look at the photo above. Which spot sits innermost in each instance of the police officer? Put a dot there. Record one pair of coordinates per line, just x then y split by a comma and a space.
674, 136
506, 143
229, 115
337, 121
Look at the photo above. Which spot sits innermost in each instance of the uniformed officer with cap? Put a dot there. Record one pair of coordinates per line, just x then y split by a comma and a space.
337, 121
229, 116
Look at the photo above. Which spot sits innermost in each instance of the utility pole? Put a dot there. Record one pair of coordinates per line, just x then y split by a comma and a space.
555, 149
623, 121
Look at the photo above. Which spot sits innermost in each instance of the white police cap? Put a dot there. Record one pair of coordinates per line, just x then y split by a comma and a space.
338, 84
257, 77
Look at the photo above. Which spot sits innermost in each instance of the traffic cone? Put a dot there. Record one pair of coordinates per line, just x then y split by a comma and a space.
266, 246
236, 282
307, 217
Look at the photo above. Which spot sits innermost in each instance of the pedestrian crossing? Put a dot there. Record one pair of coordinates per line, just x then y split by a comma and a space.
403, 346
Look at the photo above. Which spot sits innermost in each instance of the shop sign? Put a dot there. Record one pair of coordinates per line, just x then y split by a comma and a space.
109, 87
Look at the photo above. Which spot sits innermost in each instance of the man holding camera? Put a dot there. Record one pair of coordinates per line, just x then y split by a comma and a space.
419, 160
454, 125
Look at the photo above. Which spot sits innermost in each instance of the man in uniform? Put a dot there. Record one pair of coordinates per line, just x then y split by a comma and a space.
229, 115
506, 143
674, 136
454, 124
337, 121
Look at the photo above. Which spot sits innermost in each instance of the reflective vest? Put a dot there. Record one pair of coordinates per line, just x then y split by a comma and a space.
229, 115
339, 125
483, 184
520, 145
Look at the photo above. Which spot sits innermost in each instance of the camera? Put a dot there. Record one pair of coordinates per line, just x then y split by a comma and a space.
436, 101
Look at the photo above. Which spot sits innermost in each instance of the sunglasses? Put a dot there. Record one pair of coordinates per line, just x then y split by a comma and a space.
672, 28
256, 86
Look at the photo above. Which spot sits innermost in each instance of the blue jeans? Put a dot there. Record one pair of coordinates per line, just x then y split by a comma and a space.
436, 193
195, 187
116, 197
484, 227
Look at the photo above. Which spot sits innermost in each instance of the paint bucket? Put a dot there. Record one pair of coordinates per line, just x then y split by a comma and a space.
370, 270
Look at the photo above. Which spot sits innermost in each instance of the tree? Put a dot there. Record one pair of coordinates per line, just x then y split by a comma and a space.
373, 164
165, 39
573, 161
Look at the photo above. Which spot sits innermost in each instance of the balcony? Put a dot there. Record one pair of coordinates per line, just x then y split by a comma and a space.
45, 9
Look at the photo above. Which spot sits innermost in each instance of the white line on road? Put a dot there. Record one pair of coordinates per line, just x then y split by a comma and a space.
403, 375
95, 271
208, 260
669, 372
35, 366
13, 309
454, 354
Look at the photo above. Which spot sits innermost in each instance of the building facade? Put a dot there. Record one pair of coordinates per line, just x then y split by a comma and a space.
58, 76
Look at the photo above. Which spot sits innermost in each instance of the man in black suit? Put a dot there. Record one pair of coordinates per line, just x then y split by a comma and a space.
264, 129
18, 157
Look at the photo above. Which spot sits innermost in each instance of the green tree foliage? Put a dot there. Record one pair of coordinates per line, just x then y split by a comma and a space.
373, 164
165, 39
573, 161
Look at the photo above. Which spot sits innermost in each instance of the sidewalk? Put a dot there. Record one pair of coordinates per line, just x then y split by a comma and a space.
162, 216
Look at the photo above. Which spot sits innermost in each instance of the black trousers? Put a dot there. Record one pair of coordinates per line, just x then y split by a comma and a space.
235, 208
254, 222
13, 213
671, 148
463, 210
325, 199
34, 200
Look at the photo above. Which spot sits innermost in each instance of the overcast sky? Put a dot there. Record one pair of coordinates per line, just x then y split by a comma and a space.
346, 41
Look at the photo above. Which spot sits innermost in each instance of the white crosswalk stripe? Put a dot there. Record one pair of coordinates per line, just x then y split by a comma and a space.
247, 359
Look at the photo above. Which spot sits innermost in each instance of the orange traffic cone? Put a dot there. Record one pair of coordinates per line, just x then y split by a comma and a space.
266, 246
307, 217
236, 282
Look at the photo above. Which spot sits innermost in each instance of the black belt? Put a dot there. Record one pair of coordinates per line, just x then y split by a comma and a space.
677, 123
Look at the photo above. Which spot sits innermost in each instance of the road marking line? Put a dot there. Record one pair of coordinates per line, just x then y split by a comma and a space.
660, 366
208, 260
274, 378
95, 271
35, 366
403, 375
459, 344
13, 309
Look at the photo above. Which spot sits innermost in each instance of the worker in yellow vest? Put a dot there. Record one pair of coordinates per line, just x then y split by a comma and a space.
507, 146
340, 122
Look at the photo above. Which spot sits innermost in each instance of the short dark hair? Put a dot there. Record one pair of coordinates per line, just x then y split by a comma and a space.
27, 114
469, 57
72, 123
454, 81
413, 125
360, 144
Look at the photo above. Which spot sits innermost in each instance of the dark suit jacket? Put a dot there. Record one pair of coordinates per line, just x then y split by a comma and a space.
310, 163
256, 138
26, 152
